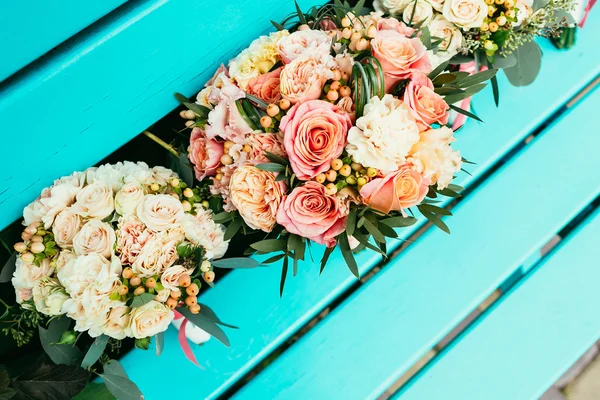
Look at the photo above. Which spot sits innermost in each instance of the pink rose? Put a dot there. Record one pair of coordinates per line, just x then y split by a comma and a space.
260, 143
399, 55
303, 78
309, 42
425, 105
396, 191
312, 214
266, 86
314, 134
204, 153
386, 24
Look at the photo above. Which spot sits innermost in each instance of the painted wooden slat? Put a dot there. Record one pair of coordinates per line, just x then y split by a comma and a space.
29, 29
250, 298
531, 338
107, 87
370, 340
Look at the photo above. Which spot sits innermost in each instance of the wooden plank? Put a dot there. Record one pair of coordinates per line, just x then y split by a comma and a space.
29, 29
250, 298
400, 314
531, 337
107, 87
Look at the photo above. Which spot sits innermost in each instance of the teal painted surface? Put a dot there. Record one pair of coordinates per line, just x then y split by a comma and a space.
100, 92
531, 338
29, 29
250, 299
370, 340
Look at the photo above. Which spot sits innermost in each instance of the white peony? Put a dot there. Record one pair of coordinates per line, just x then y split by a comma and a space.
418, 12
160, 211
465, 13
149, 319
117, 322
109, 174
162, 175
136, 172
95, 237
314, 43
128, 197
393, 7
65, 227
82, 271
201, 230
433, 156
95, 201
452, 37
384, 134
88, 316
49, 296
51, 202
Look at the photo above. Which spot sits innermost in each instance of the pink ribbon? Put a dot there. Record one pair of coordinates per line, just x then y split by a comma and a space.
465, 104
183, 342
586, 12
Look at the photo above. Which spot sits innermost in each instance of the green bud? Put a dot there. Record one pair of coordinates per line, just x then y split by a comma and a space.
68, 337
143, 344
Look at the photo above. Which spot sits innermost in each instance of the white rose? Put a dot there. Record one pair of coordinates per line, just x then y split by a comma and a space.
163, 295
315, 43
441, 28
203, 97
51, 202
384, 135
170, 277
95, 237
465, 13
128, 198
160, 211
49, 296
149, 319
525, 11
433, 157
63, 258
201, 230
116, 323
136, 172
26, 275
393, 7
89, 316
95, 201
34, 212
156, 255
437, 5
65, 227
162, 175
82, 271
110, 174
421, 14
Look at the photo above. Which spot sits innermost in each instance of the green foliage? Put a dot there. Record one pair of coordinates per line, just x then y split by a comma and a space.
141, 299
118, 383
54, 382
21, 321
59, 353
95, 351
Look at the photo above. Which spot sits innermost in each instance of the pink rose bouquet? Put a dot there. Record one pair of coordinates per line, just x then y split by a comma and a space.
331, 131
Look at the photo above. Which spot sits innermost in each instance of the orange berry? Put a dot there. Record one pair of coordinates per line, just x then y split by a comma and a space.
266, 121
139, 290
284, 104
345, 91
194, 309
150, 283
191, 300
184, 280
127, 273
209, 276
175, 293
123, 290
192, 290
171, 303
272, 110
135, 281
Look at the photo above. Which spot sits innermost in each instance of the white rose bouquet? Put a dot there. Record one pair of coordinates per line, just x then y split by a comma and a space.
117, 252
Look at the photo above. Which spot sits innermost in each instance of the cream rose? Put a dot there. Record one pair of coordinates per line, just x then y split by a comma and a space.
384, 135
465, 13
418, 12
315, 43
128, 198
149, 319
157, 254
63, 258
95, 201
162, 175
451, 36
303, 78
437, 5
95, 237
136, 172
117, 322
160, 211
81, 272
433, 157
393, 7
201, 230
89, 316
257, 196
170, 277
51, 202
65, 227
26, 275
49, 296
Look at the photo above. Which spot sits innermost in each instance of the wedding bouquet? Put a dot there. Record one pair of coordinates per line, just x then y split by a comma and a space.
331, 132
114, 250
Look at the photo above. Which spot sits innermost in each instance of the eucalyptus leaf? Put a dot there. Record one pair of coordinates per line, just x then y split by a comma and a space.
270, 245
284, 270
365, 242
59, 353
95, 351
272, 167
95, 391
351, 221
142, 299
276, 159
399, 222
51, 382
464, 112
114, 367
501, 62
325, 258
160, 343
529, 61
434, 219
232, 229
236, 263
294, 242
206, 324
477, 78
438, 70
347, 254
121, 387
378, 236
210, 314
273, 259
9, 269
434, 209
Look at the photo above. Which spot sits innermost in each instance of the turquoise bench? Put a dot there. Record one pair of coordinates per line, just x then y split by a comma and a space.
83, 91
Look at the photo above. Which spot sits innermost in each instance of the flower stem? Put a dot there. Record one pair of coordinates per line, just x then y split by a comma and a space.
161, 142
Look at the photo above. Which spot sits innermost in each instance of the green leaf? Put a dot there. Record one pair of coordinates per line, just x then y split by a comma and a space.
500, 36
537, 4
425, 37
365, 242
477, 78
325, 258
236, 263
284, 270
59, 353
496, 90
300, 13
273, 259
95, 391
347, 254
197, 108
445, 78
276, 159
294, 242
455, 98
529, 61
160, 343
460, 59
434, 209
351, 221
277, 26
223, 217
9, 269
211, 315
434, 219
95, 351
378, 236
501, 62
387, 231
121, 387
142, 299
272, 167
232, 228
51, 382
183, 167
399, 222
464, 112
439, 69
448, 192
270, 245
206, 324
6, 392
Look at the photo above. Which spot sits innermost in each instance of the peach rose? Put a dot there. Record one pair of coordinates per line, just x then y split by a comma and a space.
65, 227
132, 235
266, 86
347, 105
204, 153
392, 24
314, 134
425, 105
310, 42
170, 277
399, 55
396, 191
303, 78
95, 237
260, 143
160, 212
221, 188
256, 196
312, 214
